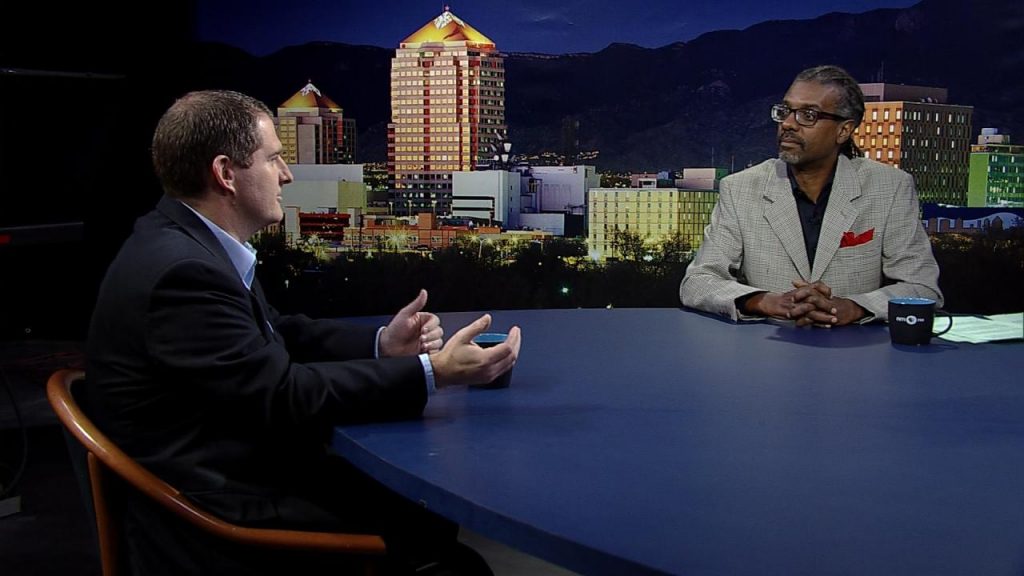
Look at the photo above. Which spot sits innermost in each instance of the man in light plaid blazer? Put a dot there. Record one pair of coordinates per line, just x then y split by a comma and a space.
820, 235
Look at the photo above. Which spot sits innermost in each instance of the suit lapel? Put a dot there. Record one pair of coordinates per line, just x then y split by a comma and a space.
184, 217
780, 212
262, 310
839, 216
197, 229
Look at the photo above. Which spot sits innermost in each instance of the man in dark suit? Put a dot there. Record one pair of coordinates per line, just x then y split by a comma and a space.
196, 376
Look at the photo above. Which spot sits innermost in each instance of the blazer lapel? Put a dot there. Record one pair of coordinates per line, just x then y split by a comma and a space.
197, 229
839, 216
183, 216
262, 310
780, 212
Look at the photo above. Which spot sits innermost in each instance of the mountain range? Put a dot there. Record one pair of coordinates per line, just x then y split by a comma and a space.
688, 104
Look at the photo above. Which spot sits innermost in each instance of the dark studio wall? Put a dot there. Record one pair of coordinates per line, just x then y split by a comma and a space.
81, 87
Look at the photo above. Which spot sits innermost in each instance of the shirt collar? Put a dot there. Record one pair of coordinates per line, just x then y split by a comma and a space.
242, 255
825, 190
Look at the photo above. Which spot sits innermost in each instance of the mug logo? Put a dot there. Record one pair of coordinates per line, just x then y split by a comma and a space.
909, 320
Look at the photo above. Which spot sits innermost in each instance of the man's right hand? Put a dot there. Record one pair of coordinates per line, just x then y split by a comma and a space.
809, 304
461, 361
777, 305
828, 311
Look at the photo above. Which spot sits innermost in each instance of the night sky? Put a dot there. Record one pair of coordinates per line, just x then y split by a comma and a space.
553, 27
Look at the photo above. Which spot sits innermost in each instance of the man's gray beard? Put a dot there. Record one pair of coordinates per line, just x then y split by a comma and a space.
789, 157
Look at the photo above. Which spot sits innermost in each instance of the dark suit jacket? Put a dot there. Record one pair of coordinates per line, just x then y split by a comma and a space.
188, 377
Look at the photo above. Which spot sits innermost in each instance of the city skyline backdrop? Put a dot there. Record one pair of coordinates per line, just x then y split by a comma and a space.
701, 104
261, 27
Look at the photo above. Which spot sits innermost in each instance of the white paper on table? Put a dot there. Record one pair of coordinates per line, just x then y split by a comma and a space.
978, 329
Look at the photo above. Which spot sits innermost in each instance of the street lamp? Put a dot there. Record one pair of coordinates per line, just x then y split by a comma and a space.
480, 246
502, 154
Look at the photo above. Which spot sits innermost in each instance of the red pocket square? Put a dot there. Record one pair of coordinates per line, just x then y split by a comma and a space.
851, 239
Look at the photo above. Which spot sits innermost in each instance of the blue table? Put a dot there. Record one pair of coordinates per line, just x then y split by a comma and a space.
638, 441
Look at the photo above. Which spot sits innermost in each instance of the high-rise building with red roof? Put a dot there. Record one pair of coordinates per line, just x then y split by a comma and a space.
447, 111
314, 130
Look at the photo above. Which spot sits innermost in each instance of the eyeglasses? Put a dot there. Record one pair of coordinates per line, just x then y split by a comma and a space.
804, 116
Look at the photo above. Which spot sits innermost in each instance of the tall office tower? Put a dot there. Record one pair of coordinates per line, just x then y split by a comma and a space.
447, 111
914, 129
997, 171
314, 130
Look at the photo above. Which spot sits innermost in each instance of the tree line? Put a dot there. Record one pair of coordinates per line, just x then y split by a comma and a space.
981, 273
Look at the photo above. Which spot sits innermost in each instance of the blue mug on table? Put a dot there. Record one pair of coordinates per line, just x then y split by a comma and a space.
486, 340
911, 320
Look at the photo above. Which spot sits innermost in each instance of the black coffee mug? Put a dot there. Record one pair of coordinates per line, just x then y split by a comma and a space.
486, 340
911, 320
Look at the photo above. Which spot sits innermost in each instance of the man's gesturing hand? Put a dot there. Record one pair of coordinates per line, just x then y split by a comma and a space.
461, 361
412, 331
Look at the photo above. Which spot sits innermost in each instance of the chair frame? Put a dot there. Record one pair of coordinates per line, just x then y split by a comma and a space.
104, 456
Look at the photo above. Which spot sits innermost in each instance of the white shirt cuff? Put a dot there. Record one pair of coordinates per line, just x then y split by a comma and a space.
376, 343
428, 372
428, 368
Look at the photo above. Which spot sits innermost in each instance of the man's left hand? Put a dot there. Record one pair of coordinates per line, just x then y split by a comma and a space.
828, 311
412, 331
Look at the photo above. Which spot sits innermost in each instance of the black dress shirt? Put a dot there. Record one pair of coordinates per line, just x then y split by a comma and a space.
811, 213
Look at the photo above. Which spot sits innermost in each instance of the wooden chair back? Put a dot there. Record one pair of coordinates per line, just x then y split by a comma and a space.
105, 458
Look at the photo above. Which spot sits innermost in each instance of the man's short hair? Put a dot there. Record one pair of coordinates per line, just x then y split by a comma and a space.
197, 128
851, 98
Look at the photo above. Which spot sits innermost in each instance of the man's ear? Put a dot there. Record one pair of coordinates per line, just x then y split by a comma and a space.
224, 174
845, 132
